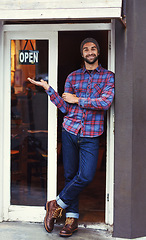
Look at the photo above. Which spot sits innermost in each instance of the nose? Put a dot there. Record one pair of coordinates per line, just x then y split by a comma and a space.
90, 52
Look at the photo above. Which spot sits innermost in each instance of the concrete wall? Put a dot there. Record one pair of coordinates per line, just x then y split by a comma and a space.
130, 124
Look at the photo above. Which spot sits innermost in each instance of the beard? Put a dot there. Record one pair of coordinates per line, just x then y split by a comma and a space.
91, 61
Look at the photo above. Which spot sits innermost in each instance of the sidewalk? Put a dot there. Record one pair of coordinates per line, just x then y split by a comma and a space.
36, 231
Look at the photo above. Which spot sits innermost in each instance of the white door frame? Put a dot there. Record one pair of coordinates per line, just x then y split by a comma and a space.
12, 212
50, 32
109, 201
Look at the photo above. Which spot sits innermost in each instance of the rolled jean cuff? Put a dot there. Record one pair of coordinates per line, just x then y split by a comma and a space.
61, 203
72, 215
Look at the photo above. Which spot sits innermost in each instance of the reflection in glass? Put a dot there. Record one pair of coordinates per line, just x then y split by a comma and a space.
29, 125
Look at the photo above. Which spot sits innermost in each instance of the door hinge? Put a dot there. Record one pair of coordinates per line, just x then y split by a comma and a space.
107, 197
109, 45
113, 123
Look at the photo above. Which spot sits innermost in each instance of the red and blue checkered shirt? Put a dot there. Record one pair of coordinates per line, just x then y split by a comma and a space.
95, 91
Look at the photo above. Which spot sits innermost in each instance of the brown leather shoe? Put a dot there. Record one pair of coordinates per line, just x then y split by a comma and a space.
53, 210
71, 225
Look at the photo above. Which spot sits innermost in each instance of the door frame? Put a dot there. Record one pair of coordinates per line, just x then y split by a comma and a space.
50, 32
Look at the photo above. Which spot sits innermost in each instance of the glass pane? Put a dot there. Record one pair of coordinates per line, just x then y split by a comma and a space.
29, 123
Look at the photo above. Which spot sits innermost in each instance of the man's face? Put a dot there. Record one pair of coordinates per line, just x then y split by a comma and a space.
90, 53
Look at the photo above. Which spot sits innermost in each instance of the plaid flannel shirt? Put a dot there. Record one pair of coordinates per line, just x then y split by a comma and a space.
95, 91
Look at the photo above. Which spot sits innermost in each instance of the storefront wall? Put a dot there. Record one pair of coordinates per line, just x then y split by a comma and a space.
130, 118
43, 10
48, 10
130, 127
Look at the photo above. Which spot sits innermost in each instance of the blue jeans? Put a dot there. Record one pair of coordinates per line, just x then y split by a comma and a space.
80, 155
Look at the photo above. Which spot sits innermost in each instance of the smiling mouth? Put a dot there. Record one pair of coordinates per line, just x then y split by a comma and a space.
91, 56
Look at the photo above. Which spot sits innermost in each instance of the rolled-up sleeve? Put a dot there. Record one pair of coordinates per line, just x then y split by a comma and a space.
57, 100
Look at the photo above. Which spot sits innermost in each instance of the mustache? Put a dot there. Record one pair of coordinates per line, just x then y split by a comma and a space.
93, 61
93, 55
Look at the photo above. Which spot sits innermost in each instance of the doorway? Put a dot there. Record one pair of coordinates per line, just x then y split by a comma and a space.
69, 37
92, 199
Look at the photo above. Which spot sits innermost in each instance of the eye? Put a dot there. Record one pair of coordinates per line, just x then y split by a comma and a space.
85, 49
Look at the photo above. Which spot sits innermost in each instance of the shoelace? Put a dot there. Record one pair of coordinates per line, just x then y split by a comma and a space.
69, 221
58, 212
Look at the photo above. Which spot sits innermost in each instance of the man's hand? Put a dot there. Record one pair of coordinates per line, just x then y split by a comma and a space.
42, 83
70, 98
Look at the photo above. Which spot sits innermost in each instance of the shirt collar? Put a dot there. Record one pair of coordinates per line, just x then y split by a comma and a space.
98, 69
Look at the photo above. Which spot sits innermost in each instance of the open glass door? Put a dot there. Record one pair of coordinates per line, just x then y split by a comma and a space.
29, 123
32, 120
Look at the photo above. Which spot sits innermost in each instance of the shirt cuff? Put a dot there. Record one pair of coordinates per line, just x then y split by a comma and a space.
50, 91
81, 102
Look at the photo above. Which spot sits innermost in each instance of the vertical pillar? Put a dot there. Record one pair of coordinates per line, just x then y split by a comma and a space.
130, 124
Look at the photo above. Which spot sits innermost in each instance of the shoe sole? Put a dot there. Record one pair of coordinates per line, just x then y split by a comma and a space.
45, 222
68, 235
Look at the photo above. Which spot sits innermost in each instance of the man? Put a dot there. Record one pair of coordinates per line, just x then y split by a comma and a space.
88, 93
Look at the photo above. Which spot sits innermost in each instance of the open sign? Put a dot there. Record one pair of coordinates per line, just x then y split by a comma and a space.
28, 57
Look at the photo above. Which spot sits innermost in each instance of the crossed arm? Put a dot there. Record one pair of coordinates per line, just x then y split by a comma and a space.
103, 102
68, 97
